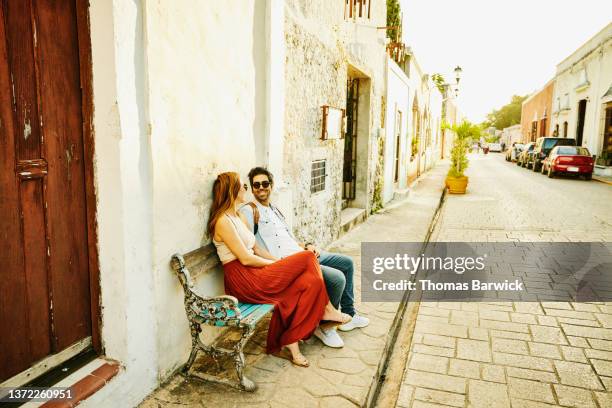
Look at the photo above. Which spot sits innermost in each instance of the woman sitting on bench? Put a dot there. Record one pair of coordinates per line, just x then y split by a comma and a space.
293, 284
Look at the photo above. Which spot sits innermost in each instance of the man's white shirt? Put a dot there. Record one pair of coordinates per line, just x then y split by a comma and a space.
275, 232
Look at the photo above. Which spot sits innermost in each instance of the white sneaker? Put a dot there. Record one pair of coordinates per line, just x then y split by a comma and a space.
356, 323
330, 337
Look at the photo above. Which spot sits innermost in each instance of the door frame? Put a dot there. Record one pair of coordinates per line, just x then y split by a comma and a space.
85, 69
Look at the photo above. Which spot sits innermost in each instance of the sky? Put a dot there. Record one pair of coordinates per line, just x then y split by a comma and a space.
505, 47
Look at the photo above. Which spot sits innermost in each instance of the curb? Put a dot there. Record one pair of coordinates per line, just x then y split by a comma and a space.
405, 309
602, 180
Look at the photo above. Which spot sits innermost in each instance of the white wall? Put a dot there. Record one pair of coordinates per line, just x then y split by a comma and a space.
207, 98
435, 111
123, 181
397, 100
182, 91
511, 135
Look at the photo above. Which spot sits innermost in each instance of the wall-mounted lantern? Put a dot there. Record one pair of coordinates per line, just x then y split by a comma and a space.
333, 123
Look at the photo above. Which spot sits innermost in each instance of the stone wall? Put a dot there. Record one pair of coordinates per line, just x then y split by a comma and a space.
321, 49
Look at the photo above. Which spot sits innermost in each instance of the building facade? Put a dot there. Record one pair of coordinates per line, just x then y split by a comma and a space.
582, 101
536, 112
397, 131
413, 136
511, 134
156, 99
335, 57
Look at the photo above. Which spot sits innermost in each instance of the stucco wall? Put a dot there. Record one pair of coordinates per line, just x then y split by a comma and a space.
398, 96
206, 68
535, 108
511, 134
182, 91
321, 48
123, 182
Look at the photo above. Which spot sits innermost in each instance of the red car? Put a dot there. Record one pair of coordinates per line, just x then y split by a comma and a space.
568, 160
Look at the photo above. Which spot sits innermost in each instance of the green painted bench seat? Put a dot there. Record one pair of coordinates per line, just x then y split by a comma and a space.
250, 314
217, 311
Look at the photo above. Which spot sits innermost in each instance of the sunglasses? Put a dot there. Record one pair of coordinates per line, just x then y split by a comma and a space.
264, 184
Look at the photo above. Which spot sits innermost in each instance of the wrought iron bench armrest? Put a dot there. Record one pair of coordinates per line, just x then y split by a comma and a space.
216, 310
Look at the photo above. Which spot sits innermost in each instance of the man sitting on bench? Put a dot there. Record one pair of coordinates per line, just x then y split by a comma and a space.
272, 232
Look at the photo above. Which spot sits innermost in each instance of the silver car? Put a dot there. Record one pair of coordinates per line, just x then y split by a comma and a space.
513, 152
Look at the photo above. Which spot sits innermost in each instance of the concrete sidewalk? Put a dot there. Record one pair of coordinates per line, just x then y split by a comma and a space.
337, 377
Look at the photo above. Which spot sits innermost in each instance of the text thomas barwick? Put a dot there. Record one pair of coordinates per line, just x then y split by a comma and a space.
427, 285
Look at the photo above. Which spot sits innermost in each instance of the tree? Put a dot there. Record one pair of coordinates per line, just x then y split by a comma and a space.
507, 115
439, 82
394, 19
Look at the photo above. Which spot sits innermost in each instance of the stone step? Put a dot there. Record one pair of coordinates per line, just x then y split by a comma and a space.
350, 218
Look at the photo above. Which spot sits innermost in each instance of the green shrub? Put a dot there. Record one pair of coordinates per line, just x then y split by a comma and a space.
465, 134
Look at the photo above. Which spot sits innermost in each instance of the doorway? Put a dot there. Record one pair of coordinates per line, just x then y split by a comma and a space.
534, 131
606, 150
46, 187
398, 138
349, 173
580, 126
543, 127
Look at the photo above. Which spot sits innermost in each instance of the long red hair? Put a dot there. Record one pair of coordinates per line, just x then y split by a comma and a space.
225, 192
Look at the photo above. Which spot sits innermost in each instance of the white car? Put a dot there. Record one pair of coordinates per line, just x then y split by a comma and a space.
495, 147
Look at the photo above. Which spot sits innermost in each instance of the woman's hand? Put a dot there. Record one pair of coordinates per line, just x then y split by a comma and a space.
263, 253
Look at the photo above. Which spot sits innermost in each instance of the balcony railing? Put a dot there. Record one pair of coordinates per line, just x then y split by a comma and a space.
357, 9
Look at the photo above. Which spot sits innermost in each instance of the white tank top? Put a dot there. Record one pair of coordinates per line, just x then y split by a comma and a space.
246, 236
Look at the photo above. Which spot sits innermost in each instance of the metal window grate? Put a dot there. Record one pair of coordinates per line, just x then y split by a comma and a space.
317, 176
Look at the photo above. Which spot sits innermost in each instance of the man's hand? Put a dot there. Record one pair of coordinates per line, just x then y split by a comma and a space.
313, 249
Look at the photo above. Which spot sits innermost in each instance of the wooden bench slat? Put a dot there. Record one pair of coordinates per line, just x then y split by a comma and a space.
198, 261
257, 314
246, 308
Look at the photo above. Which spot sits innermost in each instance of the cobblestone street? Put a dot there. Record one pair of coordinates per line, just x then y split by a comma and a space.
519, 354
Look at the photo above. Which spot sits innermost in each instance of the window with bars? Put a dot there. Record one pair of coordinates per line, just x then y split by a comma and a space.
357, 9
317, 176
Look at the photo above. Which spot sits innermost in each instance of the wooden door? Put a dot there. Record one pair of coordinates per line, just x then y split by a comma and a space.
44, 275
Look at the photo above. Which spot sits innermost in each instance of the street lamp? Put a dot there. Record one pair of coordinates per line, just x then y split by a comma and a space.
458, 72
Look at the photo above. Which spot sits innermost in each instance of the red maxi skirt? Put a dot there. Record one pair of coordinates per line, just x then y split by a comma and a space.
294, 285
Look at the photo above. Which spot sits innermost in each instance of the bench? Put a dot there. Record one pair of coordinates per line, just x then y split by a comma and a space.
218, 311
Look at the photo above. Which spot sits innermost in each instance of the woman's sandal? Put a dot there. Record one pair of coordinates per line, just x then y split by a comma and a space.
328, 324
301, 361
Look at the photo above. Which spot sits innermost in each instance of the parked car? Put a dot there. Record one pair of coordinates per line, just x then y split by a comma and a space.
543, 147
495, 147
569, 160
522, 158
513, 152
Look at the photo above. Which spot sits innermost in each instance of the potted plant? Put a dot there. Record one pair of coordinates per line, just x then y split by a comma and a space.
465, 132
